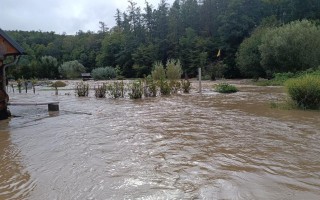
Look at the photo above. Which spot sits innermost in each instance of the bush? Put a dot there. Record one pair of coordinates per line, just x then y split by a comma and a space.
100, 91
58, 84
158, 73
136, 90
219, 70
116, 89
225, 88
82, 89
173, 70
305, 91
186, 86
150, 88
165, 88
175, 86
104, 73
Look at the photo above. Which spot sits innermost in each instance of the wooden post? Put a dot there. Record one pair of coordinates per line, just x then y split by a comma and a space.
199, 75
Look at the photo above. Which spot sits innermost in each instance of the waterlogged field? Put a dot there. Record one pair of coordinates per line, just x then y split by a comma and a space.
184, 146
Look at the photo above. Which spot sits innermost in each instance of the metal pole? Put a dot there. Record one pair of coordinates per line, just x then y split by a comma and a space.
199, 74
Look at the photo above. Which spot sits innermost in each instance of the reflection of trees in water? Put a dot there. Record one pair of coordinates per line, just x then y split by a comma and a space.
15, 182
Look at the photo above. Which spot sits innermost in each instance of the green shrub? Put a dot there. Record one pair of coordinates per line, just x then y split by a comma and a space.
305, 91
104, 73
116, 89
82, 89
158, 73
175, 86
136, 90
150, 88
173, 70
165, 88
186, 86
100, 91
225, 88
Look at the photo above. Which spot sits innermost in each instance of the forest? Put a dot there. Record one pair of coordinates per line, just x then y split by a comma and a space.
226, 38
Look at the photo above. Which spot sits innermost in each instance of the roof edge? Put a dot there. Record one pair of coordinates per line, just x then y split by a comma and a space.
12, 42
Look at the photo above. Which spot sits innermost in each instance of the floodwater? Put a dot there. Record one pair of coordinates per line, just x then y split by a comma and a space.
186, 146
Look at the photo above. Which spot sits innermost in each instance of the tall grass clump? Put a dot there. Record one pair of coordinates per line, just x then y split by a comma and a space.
82, 89
305, 91
225, 88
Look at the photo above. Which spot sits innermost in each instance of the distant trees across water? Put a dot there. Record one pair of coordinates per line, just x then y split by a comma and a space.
255, 38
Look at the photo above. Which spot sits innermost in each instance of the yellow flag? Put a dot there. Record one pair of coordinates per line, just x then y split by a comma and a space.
219, 53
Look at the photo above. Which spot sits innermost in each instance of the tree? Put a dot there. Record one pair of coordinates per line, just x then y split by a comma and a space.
71, 69
248, 56
290, 48
48, 67
103, 73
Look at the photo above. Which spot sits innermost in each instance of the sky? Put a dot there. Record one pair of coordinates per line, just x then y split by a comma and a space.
62, 16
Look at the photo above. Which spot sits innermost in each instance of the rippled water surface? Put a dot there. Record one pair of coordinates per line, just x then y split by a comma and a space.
209, 146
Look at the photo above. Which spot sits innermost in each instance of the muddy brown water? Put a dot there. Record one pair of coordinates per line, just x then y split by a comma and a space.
208, 146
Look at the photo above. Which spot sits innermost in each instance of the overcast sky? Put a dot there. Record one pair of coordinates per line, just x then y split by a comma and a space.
60, 16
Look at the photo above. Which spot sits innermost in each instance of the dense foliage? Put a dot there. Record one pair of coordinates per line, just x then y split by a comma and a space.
71, 69
305, 91
189, 30
104, 73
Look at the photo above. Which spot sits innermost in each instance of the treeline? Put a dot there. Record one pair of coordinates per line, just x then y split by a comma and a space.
189, 30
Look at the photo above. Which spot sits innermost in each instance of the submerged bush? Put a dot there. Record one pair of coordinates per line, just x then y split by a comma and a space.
150, 88
58, 84
100, 91
136, 90
175, 86
82, 89
116, 89
225, 88
186, 86
305, 91
165, 88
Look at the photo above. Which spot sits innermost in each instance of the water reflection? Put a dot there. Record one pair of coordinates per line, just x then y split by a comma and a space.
15, 181
208, 146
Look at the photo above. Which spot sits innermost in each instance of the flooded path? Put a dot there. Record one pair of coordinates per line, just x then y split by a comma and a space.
209, 146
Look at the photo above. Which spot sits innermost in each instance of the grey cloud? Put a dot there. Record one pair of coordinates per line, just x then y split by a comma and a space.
60, 16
